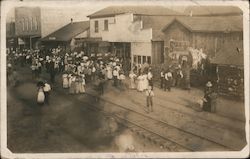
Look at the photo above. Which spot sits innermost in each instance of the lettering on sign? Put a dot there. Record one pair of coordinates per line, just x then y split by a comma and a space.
52, 38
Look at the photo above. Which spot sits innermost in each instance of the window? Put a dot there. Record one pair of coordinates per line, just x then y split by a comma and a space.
23, 24
31, 24
144, 59
149, 59
139, 59
27, 24
35, 24
135, 59
96, 27
106, 25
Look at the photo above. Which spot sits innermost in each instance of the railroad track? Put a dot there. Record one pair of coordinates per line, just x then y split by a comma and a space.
167, 136
162, 133
147, 134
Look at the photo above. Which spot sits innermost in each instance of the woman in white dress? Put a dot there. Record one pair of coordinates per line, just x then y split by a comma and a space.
77, 84
109, 72
72, 84
122, 80
70, 79
145, 82
40, 96
82, 82
140, 83
132, 77
65, 80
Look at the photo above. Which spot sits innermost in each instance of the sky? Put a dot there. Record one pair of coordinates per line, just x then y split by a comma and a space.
78, 13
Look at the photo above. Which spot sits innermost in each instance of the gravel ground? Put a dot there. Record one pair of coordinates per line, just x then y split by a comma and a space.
65, 125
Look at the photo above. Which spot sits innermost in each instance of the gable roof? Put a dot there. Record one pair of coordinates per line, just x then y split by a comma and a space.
139, 10
228, 54
212, 10
210, 24
157, 23
67, 32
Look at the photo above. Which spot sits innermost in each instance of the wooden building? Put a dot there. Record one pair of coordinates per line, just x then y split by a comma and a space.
229, 64
132, 31
206, 33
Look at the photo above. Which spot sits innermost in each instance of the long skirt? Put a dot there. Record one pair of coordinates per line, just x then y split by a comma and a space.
140, 86
40, 97
82, 88
77, 87
145, 84
65, 83
109, 74
132, 83
72, 88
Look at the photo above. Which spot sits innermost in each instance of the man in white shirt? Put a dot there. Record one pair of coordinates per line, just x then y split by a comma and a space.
168, 80
46, 90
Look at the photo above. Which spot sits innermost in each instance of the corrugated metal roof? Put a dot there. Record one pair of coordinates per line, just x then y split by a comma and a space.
139, 10
212, 10
67, 32
231, 53
211, 24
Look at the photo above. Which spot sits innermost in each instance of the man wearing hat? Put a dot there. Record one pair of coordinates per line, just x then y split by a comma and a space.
149, 95
207, 97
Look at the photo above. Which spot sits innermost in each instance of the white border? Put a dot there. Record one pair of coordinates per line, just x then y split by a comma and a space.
6, 5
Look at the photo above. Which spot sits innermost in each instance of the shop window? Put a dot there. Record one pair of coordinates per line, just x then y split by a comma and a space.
96, 27
135, 59
139, 60
144, 59
106, 25
149, 59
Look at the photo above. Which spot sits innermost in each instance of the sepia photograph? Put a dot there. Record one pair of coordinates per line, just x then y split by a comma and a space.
124, 79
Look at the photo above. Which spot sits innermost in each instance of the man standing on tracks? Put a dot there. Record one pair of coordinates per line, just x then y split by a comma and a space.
46, 90
149, 95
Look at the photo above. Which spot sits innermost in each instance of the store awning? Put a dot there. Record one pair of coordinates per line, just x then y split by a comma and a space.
88, 39
67, 32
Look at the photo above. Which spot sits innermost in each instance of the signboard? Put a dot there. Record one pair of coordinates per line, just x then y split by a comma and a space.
52, 38
20, 41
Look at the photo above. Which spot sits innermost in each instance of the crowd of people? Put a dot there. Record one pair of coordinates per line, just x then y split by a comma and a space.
77, 69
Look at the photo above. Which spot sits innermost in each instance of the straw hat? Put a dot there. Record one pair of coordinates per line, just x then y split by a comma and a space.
209, 84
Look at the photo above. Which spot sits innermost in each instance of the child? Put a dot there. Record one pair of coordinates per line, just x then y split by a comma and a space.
149, 95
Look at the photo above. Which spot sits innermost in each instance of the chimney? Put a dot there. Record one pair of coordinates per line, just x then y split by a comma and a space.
71, 20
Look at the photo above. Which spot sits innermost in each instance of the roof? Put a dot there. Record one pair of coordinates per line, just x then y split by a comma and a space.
139, 10
212, 10
67, 32
210, 24
157, 23
228, 54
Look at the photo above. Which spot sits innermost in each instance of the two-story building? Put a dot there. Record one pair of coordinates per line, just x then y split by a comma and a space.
131, 32
143, 33
11, 40
34, 23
